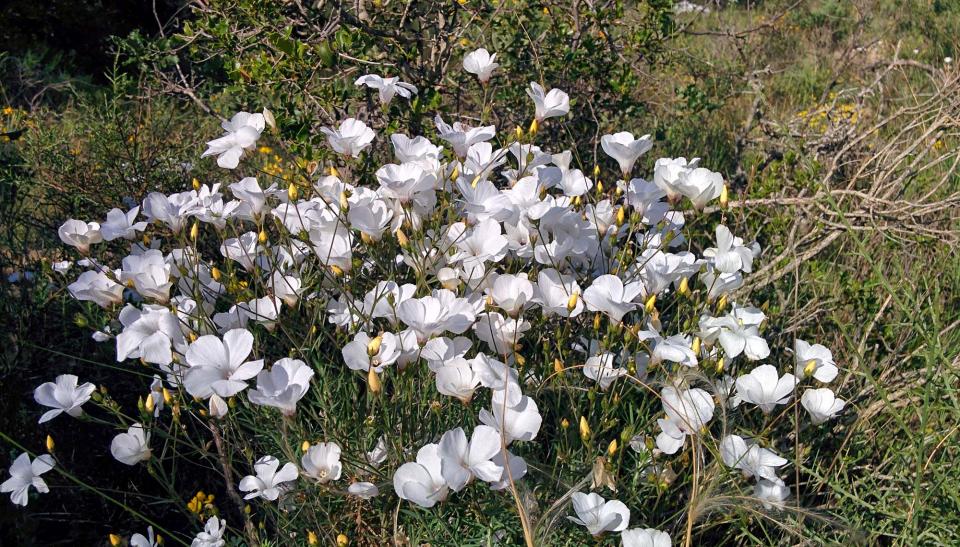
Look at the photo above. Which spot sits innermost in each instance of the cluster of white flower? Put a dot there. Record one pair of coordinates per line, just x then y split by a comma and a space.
456, 259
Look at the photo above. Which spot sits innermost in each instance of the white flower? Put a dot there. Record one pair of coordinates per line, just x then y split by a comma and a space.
667, 175
609, 295
674, 349
350, 138
480, 63
822, 404
120, 224
418, 150
220, 366
514, 469
555, 292
61, 266
598, 515
442, 351
461, 136
357, 354
485, 243
771, 493
171, 210
322, 462
286, 288
363, 490
688, 411
718, 284
701, 186
80, 234
625, 149
131, 447
461, 462
644, 537
738, 332
512, 293
97, 287
422, 482
150, 274
548, 104
212, 534
244, 249
387, 87
150, 540
406, 182
600, 369
248, 191
457, 379
62, 395
764, 388
150, 334
283, 385
243, 130
753, 460
814, 360
519, 422
432, 315
24, 474
268, 482
730, 254
501, 334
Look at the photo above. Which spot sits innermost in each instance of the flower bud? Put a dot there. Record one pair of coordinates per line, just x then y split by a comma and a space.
342, 540
304, 446
518, 131
215, 273
373, 381
572, 301
596, 171
719, 368
584, 429
140, 406
195, 231
402, 238
651, 305
534, 127
621, 215
599, 188
684, 288
344, 204
724, 197
312, 538
262, 236
695, 346
722, 303
195, 183
50, 444
337, 270
292, 192
148, 403
269, 119
373, 346
810, 368
596, 321
612, 447
115, 540
557, 366
564, 423
167, 397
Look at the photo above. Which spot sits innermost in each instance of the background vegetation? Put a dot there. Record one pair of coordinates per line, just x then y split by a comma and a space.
834, 121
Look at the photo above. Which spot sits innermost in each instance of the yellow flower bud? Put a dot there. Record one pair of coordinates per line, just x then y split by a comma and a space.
333, 172
148, 403
810, 368
584, 429
695, 346
373, 381
534, 127
50, 444
195, 231
621, 215
722, 303
337, 270
140, 406
292, 192
564, 423
312, 538
455, 174
596, 171
684, 286
262, 236
572, 301
596, 321
557, 366
651, 304
518, 131
342, 540
344, 204
195, 183
724, 197
167, 397
612, 447
599, 188
115, 540
402, 238
215, 274
373, 346
304, 446
719, 365
246, 509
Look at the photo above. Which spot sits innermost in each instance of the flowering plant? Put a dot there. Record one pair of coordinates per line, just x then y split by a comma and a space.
424, 327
